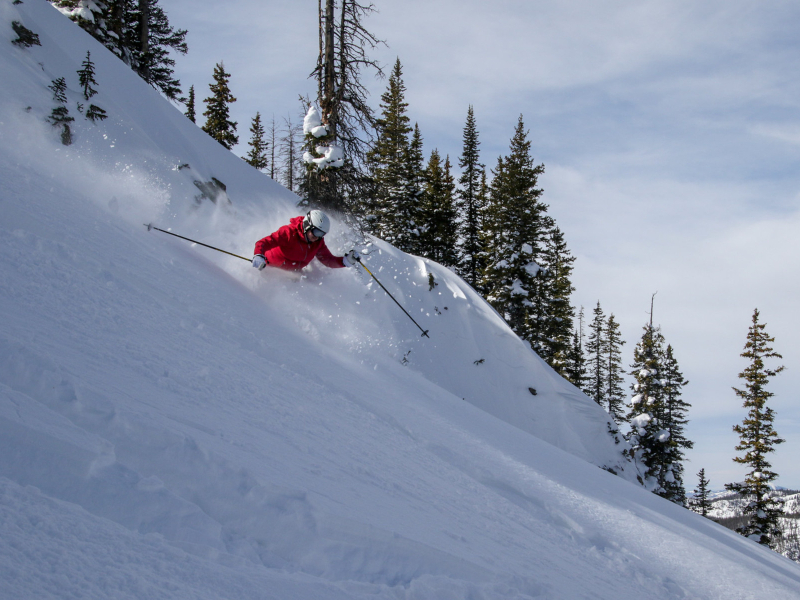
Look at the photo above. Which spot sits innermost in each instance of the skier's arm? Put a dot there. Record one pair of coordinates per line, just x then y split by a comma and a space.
329, 260
273, 240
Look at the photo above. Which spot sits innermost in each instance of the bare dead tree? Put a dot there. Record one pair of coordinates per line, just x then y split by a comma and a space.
290, 153
344, 46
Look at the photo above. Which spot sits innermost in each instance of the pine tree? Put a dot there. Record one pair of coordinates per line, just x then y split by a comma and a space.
86, 77
157, 38
60, 117
190, 110
648, 438
25, 37
575, 371
87, 80
757, 439
487, 240
438, 232
392, 210
138, 32
257, 157
675, 409
700, 502
614, 392
414, 181
550, 331
218, 125
514, 230
469, 203
596, 357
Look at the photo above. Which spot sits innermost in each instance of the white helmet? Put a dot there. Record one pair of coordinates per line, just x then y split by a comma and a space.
317, 222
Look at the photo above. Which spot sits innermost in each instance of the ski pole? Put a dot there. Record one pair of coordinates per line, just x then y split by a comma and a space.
151, 226
424, 331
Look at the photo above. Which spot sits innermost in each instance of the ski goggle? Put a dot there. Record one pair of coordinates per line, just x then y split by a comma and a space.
316, 231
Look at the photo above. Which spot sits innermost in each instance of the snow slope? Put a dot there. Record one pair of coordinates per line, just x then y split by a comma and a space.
174, 424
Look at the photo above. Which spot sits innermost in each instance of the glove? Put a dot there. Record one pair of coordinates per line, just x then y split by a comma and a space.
259, 262
351, 258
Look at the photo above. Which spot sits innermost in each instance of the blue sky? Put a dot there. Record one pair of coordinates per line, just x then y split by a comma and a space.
670, 133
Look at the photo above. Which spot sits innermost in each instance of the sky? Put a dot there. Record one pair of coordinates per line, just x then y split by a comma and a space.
670, 135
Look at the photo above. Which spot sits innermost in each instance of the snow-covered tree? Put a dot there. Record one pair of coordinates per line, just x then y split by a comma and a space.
674, 418
218, 124
514, 230
257, 156
344, 45
414, 182
648, 438
758, 438
138, 32
553, 314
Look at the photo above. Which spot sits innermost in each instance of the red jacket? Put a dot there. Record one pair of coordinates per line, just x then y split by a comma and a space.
288, 249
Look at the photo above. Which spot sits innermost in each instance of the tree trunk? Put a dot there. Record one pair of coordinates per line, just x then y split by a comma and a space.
144, 12
329, 85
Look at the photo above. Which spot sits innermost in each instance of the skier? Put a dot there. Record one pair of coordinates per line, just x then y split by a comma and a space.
295, 245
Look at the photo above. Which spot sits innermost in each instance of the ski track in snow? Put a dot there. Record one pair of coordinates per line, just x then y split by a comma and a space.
174, 424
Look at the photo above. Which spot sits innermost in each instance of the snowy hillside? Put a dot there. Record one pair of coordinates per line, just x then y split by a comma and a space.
175, 424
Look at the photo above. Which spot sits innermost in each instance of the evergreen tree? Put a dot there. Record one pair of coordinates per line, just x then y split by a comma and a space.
487, 239
392, 210
596, 350
157, 38
438, 231
757, 439
94, 113
514, 228
60, 117
190, 110
575, 371
551, 313
87, 80
86, 77
25, 37
469, 203
257, 156
414, 181
551, 329
218, 125
648, 439
700, 502
675, 409
138, 32
614, 392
